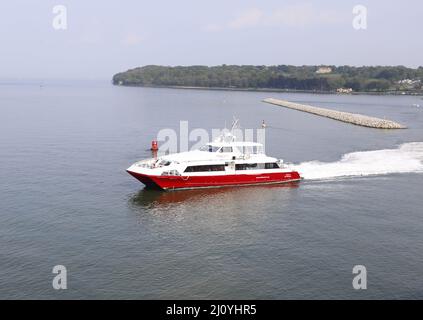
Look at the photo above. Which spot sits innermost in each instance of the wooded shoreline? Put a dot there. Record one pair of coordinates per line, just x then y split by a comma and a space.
390, 80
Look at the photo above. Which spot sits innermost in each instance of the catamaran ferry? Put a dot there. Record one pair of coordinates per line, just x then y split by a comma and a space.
223, 162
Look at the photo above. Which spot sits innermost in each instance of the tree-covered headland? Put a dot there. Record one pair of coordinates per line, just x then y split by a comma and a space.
381, 79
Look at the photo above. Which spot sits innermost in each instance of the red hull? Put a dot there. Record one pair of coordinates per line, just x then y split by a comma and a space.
178, 182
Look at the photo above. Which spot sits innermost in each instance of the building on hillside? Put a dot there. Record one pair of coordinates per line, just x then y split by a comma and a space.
409, 81
324, 70
344, 90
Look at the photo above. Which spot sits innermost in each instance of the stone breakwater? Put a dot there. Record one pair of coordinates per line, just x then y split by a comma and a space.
354, 118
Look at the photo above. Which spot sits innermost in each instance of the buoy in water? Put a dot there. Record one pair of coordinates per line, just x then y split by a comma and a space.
154, 145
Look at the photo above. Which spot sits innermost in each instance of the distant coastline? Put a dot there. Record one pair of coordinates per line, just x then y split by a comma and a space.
379, 80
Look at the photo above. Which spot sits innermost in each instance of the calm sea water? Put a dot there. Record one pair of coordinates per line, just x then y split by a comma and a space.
66, 199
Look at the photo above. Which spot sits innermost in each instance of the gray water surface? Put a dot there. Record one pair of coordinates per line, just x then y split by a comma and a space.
66, 199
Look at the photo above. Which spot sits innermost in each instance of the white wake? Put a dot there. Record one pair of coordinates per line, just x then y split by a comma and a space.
406, 158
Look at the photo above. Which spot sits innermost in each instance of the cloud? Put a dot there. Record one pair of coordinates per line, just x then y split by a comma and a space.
296, 15
304, 14
131, 39
293, 15
249, 18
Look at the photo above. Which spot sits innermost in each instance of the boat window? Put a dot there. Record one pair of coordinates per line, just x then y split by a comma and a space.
164, 163
209, 148
246, 166
271, 165
226, 149
205, 168
171, 173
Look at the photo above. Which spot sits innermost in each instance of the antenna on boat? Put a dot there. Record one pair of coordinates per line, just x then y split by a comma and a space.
234, 124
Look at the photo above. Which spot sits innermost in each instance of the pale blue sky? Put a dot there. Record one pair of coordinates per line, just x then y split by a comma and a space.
105, 37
